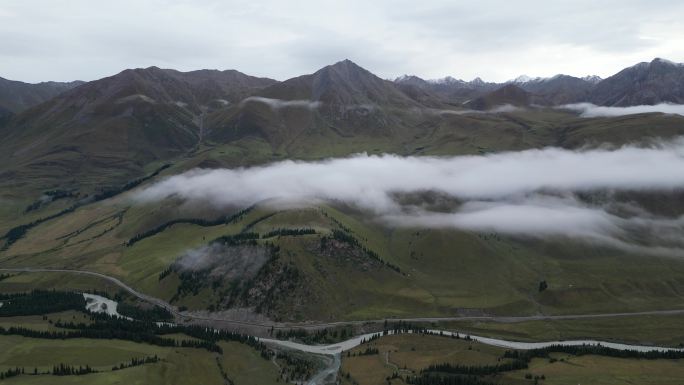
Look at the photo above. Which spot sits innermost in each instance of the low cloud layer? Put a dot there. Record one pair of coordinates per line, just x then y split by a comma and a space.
588, 110
543, 216
529, 193
279, 103
496, 110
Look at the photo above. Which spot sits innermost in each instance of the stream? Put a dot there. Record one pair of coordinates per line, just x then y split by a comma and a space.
327, 375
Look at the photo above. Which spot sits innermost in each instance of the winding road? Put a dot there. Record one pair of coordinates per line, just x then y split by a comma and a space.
320, 325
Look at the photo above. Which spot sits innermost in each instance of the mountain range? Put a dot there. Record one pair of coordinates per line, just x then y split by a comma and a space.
658, 81
73, 165
62, 131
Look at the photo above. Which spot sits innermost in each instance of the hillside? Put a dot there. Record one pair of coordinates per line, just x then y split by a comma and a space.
18, 96
659, 81
107, 134
558, 90
117, 125
342, 99
341, 84
509, 94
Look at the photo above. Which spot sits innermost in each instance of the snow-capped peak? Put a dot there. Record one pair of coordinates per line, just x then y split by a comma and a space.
526, 79
446, 80
522, 79
403, 78
593, 79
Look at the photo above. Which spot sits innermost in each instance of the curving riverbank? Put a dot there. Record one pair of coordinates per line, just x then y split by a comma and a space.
351, 343
327, 375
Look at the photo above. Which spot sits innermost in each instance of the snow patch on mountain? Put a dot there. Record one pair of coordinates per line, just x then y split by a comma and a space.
593, 79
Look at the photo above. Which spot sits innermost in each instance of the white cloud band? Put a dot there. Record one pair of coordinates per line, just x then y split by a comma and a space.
588, 110
530, 192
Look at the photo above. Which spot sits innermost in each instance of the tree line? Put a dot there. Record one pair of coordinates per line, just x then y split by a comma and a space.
108, 193
599, 350
369, 351
18, 232
73, 370
137, 362
430, 379
342, 236
296, 369
454, 374
12, 372
68, 370
289, 232
477, 370
52, 195
253, 223
322, 336
38, 302
224, 219
104, 324
155, 313
109, 334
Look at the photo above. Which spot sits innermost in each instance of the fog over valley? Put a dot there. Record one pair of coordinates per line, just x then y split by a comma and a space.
549, 192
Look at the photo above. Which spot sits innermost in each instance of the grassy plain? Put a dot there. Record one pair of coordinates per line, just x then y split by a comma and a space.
176, 366
407, 354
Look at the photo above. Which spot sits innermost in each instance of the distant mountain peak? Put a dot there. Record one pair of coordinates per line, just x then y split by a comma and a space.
658, 81
345, 64
593, 79
526, 79
446, 80
408, 79
17, 96
521, 79
667, 62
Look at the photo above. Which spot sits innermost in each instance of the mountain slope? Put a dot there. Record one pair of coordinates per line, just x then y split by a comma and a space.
560, 89
340, 84
212, 86
342, 99
508, 94
18, 96
119, 123
659, 81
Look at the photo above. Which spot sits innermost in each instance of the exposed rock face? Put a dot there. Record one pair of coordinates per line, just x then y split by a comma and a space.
659, 81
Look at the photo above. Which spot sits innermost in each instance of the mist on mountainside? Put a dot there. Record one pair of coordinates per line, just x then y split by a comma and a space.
534, 193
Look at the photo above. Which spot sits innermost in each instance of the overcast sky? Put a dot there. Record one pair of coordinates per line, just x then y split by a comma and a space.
494, 39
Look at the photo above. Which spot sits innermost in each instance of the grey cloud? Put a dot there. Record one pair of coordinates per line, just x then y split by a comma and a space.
517, 25
496, 110
278, 103
80, 39
588, 110
541, 216
522, 193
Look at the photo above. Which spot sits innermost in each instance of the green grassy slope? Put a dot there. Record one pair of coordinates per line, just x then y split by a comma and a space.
441, 272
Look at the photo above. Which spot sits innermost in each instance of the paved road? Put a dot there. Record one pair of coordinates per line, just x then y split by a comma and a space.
320, 325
